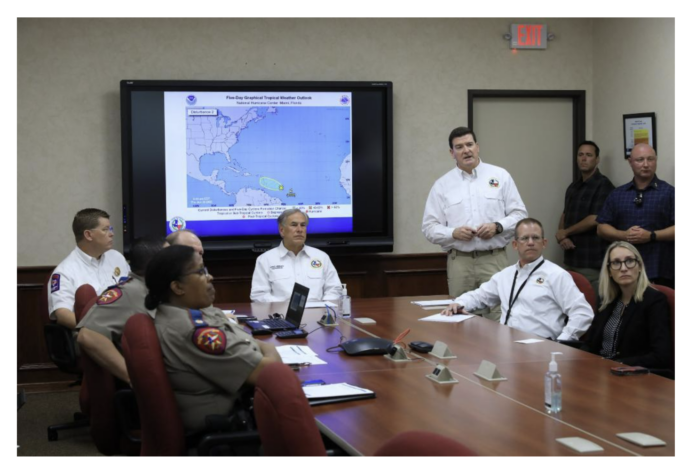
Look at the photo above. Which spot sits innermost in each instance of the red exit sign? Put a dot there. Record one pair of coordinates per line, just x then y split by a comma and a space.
528, 36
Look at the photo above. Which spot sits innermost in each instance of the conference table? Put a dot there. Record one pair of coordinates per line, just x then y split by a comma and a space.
502, 418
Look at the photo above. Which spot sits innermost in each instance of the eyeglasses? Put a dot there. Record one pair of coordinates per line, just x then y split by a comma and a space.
649, 159
202, 272
106, 230
535, 238
629, 262
638, 200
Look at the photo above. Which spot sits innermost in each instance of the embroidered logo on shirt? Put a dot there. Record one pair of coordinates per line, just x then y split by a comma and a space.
55, 283
540, 280
117, 271
210, 340
109, 296
493, 182
316, 264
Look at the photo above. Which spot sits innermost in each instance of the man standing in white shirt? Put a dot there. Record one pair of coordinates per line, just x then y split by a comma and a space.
536, 295
471, 212
292, 261
91, 262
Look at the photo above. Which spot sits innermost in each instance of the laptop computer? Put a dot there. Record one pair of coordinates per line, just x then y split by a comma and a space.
293, 317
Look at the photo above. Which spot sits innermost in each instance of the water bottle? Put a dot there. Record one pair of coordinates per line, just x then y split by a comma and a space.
345, 302
552, 387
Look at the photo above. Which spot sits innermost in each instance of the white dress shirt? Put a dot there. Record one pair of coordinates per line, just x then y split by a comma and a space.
543, 304
458, 199
79, 268
278, 269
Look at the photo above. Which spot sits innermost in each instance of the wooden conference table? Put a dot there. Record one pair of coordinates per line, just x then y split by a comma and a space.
492, 418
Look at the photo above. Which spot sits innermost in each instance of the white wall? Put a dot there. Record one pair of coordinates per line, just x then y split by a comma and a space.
68, 104
633, 73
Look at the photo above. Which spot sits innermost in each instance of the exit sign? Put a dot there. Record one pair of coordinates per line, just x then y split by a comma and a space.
528, 36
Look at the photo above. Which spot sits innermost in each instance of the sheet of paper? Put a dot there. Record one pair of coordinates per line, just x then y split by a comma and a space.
334, 390
320, 304
228, 312
529, 341
433, 302
450, 319
298, 354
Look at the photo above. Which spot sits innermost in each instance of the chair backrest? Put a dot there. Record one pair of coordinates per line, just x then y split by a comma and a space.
85, 297
669, 293
421, 443
162, 429
585, 287
283, 415
103, 422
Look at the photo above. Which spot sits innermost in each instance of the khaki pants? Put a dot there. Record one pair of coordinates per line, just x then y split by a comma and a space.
466, 271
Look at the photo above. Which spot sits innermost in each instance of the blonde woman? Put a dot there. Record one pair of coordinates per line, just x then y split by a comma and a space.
633, 325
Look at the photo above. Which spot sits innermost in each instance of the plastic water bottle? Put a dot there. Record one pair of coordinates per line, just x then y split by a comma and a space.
345, 302
552, 387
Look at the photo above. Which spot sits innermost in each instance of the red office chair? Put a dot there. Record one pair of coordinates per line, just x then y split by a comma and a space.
421, 443
585, 287
162, 430
62, 351
283, 415
85, 297
101, 385
669, 293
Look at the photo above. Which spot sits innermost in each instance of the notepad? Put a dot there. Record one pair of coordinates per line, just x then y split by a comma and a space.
449, 319
298, 354
335, 393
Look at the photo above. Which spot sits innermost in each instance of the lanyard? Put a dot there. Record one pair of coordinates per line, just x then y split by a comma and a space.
512, 290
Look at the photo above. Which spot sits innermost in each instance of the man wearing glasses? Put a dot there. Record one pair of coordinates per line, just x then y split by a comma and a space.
641, 213
91, 262
535, 295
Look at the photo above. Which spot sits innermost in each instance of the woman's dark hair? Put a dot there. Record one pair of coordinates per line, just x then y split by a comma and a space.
164, 268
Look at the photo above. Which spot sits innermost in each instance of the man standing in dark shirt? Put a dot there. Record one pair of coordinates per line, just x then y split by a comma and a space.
641, 212
577, 229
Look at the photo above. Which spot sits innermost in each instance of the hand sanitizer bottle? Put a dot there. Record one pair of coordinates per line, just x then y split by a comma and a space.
345, 302
552, 386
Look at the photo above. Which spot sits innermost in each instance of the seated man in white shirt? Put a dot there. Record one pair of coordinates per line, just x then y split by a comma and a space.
535, 295
292, 261
91, 262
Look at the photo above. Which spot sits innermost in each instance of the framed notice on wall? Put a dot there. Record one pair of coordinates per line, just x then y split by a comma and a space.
639, 128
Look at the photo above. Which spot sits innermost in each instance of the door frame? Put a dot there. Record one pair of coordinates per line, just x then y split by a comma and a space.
576, 96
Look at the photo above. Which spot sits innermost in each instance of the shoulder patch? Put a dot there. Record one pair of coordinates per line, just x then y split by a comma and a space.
210, 340
109, 296
316, 264
55, 283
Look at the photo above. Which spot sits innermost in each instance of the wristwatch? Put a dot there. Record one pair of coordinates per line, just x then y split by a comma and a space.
498, 228
653, 236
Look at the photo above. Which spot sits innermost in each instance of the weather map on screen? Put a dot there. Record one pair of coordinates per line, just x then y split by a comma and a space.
247, 156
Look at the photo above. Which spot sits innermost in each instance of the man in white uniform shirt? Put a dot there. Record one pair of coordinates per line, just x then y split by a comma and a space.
292, 261
471, 212
536, 295
91, 262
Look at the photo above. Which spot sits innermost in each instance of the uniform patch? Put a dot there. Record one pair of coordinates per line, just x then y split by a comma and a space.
117, 271
316, 264
540, 280
109, 296
493, 182
210, 340
55, 283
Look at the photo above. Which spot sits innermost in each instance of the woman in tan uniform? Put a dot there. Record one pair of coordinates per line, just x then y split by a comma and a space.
208, 358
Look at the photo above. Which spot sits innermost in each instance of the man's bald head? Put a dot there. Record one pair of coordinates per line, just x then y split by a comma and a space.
186, 238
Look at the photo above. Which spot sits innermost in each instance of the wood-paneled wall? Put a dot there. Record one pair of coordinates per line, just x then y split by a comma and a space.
367, 276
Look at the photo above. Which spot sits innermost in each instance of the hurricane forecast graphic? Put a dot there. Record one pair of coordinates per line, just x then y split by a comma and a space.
268, 156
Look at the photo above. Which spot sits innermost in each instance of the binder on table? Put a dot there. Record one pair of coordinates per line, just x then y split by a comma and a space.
335, 393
